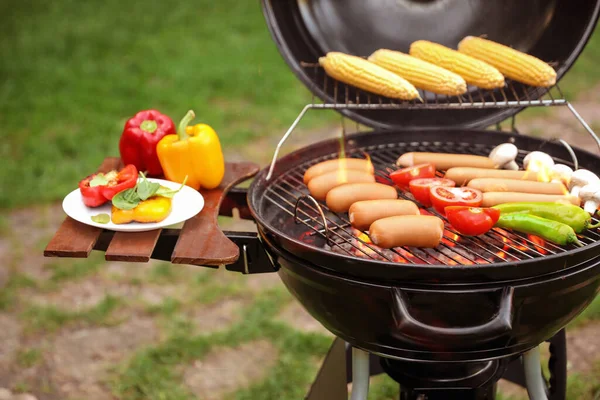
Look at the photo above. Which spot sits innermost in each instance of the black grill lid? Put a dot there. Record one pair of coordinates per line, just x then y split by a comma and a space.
553, 30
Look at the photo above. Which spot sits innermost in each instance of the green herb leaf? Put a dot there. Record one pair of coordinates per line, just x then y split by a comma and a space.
98, 180
127, 199
145, 188
101, 218
164, 191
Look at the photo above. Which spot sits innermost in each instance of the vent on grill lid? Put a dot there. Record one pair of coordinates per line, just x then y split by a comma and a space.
556, 31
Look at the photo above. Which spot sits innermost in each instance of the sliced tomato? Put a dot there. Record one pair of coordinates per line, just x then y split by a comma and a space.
403, 176
472, 221
420, 188
442, 197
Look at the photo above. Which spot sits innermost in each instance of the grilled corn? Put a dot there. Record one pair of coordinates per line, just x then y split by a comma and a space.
365, 75
512, 63
420, 73
474, 71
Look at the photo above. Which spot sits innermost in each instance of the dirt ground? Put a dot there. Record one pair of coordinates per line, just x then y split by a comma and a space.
73, 360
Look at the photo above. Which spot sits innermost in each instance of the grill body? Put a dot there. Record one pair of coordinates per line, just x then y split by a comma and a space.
426, 312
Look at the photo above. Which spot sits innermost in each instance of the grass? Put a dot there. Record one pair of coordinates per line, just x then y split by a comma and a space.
27, 358
64, 270
152, 372
8, 293
163, 273
590, 314
50, 318
75, 71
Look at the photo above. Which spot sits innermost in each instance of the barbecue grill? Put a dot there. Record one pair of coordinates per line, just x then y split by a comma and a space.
445, 322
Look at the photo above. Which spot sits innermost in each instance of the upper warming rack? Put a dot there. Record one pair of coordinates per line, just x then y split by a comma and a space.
514, 94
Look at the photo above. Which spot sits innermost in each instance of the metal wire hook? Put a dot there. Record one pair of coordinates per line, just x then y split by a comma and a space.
316, 203
568, 147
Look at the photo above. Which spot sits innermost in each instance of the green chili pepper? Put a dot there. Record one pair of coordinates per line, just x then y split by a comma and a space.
552, 231
576, 217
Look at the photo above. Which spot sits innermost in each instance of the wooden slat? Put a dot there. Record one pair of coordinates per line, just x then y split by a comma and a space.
201, 242
132, 246
74, 239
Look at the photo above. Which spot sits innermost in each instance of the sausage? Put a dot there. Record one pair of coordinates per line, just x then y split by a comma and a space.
363, 213
338, 164
320, 185
340, 198
407, 230
463, 175
444, 161
491, 199
516, 185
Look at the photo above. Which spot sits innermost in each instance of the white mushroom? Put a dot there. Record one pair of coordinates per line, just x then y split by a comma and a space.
561, 173
581, 178
590, 194
503, 156
537, 161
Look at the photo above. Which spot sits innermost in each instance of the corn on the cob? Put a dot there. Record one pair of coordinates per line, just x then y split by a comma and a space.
512, 63
420, 73
365, 75
474, 71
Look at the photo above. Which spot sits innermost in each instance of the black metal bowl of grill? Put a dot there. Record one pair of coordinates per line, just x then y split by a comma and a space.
555, 31
471, 298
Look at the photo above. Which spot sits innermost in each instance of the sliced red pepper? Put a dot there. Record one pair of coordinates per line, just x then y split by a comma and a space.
472, 221
403, 176
126, 178
97, 189
91, 195
442, 197
420, 188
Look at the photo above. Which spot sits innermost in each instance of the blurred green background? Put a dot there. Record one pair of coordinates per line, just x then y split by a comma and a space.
72, 72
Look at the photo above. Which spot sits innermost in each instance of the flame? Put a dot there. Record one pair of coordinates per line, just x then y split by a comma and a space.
501, 254
539, 243
544, 172
364, 237
342, 171
453, 238
342, 174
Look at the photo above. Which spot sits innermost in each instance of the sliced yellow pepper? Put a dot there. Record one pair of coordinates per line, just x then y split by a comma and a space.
194, 152
154, 209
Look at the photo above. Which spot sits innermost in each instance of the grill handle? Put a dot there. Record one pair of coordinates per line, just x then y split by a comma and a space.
407, 325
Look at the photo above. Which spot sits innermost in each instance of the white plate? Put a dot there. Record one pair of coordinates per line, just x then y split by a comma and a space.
186, 203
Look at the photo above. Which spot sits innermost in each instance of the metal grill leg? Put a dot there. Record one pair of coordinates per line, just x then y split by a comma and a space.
536, 386
557, 364
330, 383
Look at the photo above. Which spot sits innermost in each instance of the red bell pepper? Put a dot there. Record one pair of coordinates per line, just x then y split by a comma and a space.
140, 136
98, 189
472, 221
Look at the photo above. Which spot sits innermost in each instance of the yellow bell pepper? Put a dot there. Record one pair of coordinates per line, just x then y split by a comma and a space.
154, 209
194, 152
